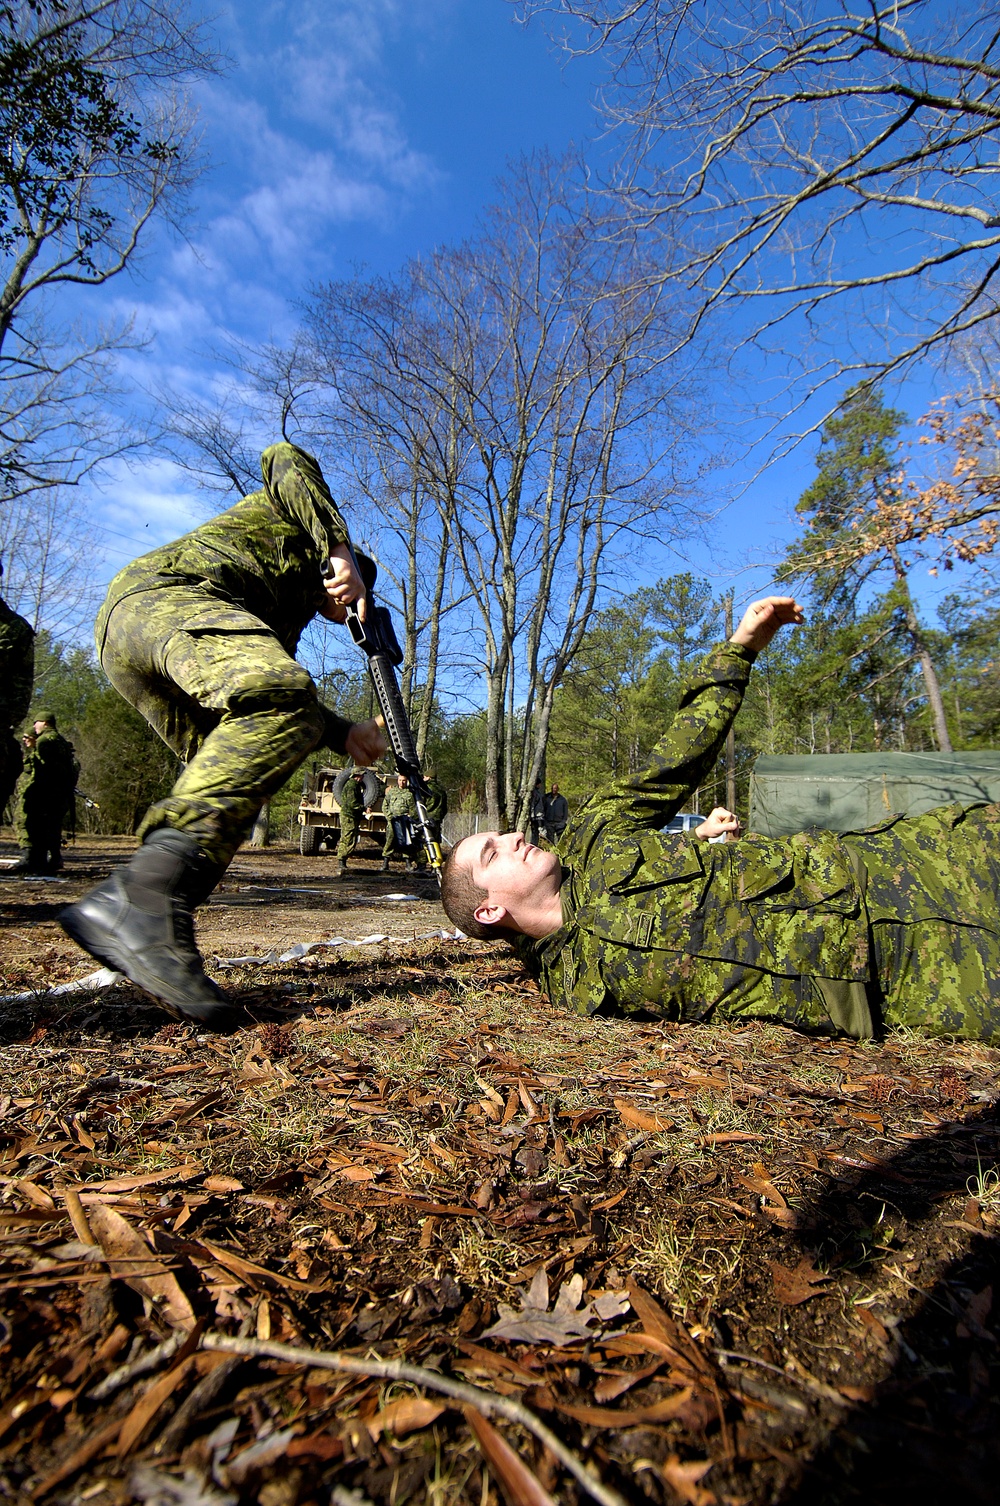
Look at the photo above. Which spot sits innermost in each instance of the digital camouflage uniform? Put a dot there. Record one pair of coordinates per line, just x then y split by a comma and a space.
43, 800
898, 923
352, 808
200, 635
396, 802
17, 669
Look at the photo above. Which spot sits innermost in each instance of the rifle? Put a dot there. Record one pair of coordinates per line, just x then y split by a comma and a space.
376, 638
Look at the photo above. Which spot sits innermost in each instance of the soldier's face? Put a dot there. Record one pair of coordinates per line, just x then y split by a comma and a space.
513, 872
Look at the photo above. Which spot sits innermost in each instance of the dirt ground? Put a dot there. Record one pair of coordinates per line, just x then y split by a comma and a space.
735, 1266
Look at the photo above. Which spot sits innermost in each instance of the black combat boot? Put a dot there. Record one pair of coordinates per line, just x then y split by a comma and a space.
31, 864
139, 922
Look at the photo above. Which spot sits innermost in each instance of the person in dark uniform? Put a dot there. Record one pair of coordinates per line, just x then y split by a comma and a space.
352, 808
556, 815
44, 797
17, 671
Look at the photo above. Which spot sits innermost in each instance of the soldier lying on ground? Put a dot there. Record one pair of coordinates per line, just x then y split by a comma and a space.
895, 925
199, 636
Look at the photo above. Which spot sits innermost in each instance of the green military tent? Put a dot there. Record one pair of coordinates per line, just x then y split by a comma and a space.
848, 791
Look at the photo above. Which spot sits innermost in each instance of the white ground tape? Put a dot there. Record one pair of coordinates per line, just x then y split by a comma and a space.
105, 978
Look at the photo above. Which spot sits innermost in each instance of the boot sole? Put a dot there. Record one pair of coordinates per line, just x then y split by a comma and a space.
223, 1019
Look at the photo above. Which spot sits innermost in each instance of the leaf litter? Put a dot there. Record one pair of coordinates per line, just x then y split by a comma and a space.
713, 1263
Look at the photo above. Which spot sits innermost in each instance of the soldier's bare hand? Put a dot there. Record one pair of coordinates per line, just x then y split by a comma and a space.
719, 823
763, 618
343, 585
366, 742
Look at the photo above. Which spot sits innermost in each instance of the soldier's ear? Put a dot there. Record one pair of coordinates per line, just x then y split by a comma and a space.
490, 915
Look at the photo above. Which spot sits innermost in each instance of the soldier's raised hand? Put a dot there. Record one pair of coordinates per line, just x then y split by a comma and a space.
763, 618
365, 742
343, 585
719, 822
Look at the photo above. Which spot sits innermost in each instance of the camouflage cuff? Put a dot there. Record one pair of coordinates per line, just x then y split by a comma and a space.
335, 730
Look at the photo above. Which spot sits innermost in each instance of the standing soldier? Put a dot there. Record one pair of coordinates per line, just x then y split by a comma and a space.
17, 668
437, 804
556, 814
44, 797
536, 811
399, 809
352, 808
199, 637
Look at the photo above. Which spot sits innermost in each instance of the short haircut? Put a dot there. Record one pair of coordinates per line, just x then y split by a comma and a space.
461, 897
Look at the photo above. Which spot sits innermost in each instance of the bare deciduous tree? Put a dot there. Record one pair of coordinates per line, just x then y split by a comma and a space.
96, 138
817, 153
522, 385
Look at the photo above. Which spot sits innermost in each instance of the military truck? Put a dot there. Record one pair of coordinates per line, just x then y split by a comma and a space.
319, 809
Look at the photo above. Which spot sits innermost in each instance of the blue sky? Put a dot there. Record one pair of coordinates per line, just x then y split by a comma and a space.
350, 132
345, 132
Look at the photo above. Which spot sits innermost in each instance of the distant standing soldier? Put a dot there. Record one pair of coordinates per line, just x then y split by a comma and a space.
536, 811
436, 804
399, 809
352, 808
44, 797
556, 814
17, 670
199, 636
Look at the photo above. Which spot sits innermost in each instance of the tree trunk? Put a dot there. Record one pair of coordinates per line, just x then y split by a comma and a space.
934, 700
261, 834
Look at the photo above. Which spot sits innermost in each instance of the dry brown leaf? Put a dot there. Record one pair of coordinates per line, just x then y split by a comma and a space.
182, 1173
612, 1417
252, 1272
32, 1193
565, 1324
613, 1384
222, 1184
405, 1415
794, 1286
639, 1118
684, 1479
520, 1486
130, 1257
677, 1342
149, 1404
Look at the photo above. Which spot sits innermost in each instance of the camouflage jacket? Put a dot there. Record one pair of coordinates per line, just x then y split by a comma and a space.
397, 802
50, 769
17, 667
265, 555
352, 798
667, 922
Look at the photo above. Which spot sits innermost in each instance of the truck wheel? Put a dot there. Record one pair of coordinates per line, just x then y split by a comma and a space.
310, 838
371, 786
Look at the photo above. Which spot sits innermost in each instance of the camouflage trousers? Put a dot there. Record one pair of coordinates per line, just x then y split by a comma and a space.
932, 893
216, 685
350, 826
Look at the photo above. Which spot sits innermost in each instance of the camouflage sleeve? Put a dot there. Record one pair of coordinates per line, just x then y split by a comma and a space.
686, 753
335, 730
295, 483
17, 670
